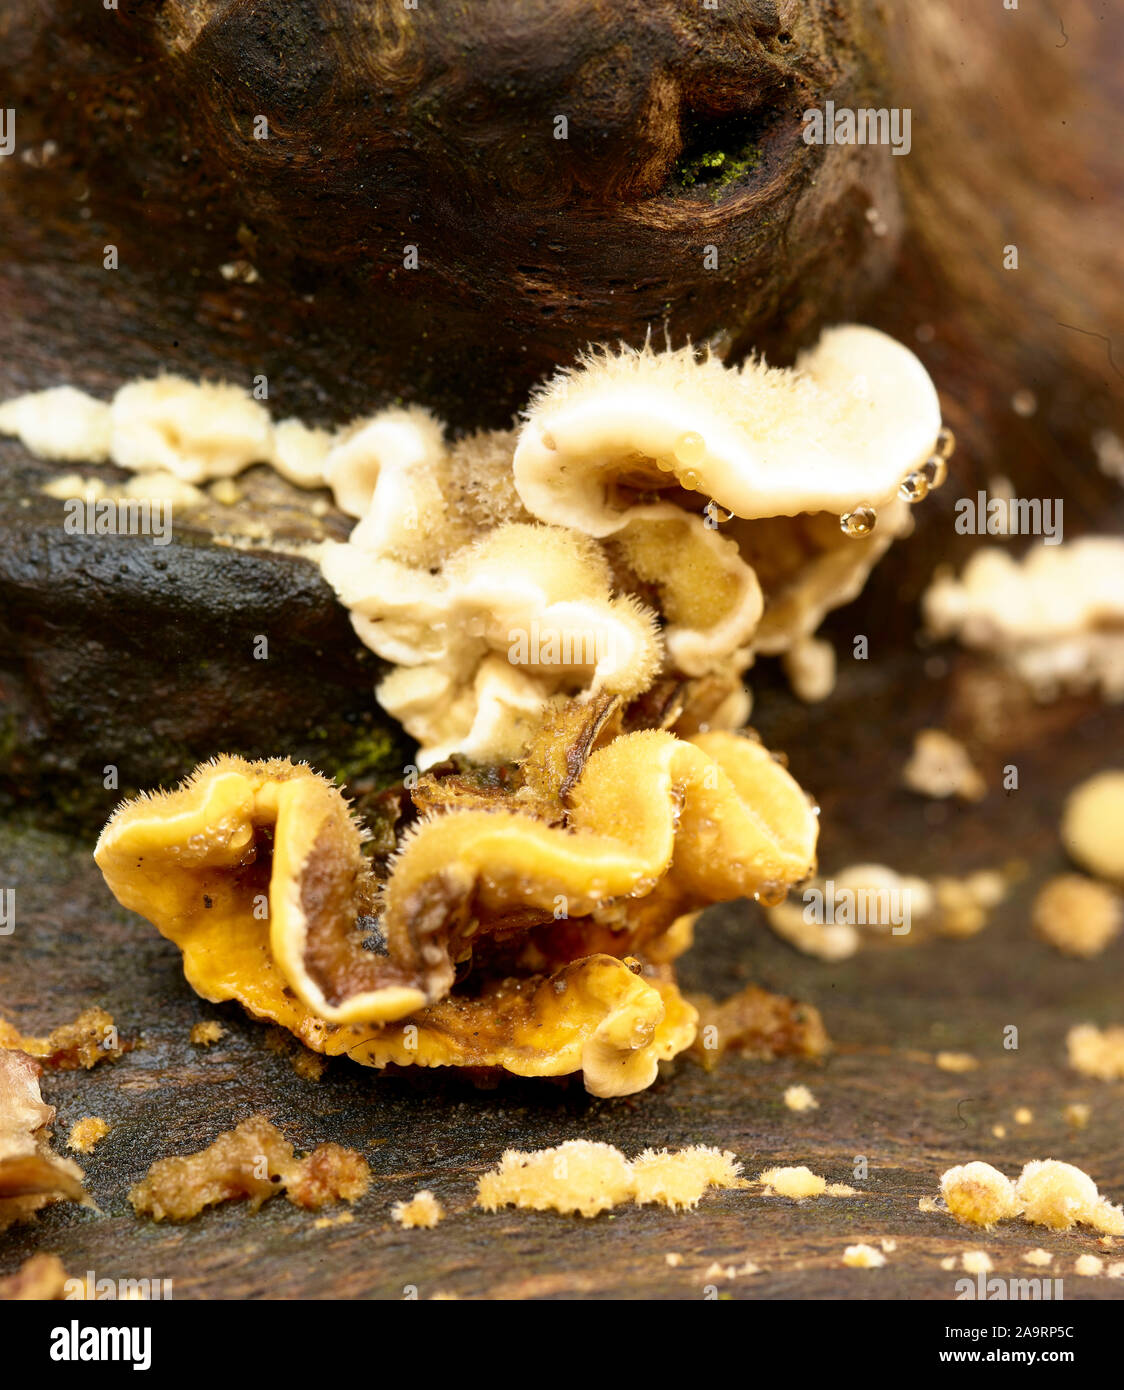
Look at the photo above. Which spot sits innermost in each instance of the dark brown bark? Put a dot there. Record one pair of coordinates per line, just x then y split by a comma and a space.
435, 128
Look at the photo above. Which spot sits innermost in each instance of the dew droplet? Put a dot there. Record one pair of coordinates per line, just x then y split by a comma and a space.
859, 522
771, 894
934, 470
690, 447
690, 479
946, 442
915, 486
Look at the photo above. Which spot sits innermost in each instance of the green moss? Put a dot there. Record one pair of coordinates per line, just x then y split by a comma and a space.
373, 752
714, 170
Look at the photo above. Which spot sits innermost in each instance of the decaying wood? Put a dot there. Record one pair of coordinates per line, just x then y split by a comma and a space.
433, 127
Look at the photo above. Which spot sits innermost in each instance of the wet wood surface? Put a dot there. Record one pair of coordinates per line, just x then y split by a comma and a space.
889, 1009
985, 334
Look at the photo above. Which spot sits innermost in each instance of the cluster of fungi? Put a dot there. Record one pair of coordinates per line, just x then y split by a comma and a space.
566, 613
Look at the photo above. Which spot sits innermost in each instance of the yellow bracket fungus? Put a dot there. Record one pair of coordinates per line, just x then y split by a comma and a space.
256, 871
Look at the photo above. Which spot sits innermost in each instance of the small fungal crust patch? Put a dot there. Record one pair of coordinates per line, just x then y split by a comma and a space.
976, 1262
85, 1133
253, 1161
91, 1038
423, 1211
1060, 1196
196, 430
1093, 825
206, 1032
957, 1061
757, 1023
1047, 1193
678, 1180
979, 1195
863, 1257
940, 766
585, 1177
800, 1183
1056, 616
61, 423
869, 896
874, 898
1096, 1052
1077, 915
800, 1098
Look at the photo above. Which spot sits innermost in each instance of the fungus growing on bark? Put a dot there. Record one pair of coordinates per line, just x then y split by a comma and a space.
978, 1194
1093, 825
586, 552
1077, 915
31, 1174
254, 1160
1096, 1052
1059, 1196
1055, 616
843, 429
581, 1176
1046, 1193
256, 871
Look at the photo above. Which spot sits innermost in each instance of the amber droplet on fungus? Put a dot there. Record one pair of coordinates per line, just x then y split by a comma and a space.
859, 522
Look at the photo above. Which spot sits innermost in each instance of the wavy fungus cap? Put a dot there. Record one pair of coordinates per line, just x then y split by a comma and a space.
268, 842
195, 430
523, 614
843, 428
255, 870
374, 460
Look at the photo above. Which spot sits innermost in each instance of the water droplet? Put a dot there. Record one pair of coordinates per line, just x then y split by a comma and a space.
690, 447
860, 522
934, 470
915, 486
690, 479
946, 442
771, 894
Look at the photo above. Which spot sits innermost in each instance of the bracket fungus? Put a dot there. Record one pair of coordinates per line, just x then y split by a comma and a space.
599, 527
568, 612
502, 931
657, 515
1055, 616
31, 1173
844, 428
